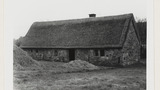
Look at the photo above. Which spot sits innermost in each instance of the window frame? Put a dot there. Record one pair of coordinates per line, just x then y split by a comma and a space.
99, 52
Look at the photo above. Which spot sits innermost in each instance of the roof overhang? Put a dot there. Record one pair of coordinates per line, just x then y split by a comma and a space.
69, 47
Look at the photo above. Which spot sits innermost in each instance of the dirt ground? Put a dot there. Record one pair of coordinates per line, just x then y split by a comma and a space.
131, 78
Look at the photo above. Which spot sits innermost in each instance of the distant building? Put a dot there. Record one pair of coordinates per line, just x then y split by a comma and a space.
96, 40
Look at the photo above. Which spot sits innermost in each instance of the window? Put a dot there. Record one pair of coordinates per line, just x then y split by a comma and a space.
110, 54
56, 53
96, 53
102, 52
106, 55
99, 52
36, 50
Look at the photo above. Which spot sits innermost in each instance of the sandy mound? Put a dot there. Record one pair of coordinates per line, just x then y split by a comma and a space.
80, 65
22, 60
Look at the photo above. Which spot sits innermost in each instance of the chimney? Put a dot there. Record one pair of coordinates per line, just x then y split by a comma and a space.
92, 15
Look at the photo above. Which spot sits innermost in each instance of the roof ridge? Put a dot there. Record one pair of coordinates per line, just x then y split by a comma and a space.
81, 20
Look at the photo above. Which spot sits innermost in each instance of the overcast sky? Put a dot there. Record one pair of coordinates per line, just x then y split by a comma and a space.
20, 14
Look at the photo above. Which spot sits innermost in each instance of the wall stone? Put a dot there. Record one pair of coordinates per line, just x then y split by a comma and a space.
131, 48
111, 56
49, 54
82, 54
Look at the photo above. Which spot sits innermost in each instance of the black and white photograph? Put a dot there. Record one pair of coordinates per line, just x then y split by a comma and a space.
79, 44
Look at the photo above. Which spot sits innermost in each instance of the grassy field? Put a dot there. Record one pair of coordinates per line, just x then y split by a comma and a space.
131, 78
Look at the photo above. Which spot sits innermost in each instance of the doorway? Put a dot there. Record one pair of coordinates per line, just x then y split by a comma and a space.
71, 54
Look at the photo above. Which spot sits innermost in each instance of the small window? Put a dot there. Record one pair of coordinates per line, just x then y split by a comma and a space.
56, 53
106, 55
119, 60
102, 52
96, 52
36, 51
110, 54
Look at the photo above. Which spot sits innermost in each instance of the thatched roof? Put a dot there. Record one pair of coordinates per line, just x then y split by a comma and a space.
95, 32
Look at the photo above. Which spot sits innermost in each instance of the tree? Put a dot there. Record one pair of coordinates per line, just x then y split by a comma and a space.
142, 28
18, 41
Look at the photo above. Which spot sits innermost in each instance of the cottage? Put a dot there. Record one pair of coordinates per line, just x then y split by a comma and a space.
109, 40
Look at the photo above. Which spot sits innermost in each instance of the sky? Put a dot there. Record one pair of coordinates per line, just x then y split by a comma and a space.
20, 14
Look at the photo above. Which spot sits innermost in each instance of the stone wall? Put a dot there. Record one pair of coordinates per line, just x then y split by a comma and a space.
105, 57
110, 57
49, 54
82, 54
131, 48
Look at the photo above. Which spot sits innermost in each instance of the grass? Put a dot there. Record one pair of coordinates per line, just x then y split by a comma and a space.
108, 79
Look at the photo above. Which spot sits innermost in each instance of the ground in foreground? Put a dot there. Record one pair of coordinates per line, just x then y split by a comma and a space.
131, 78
